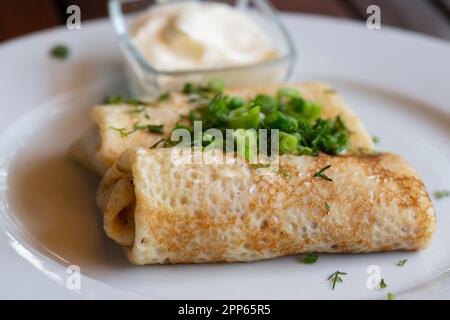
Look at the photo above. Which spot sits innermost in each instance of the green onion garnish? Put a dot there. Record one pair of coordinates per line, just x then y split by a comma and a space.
442, 194
310, 258
164, 96
375, 139
118, 99
60, 51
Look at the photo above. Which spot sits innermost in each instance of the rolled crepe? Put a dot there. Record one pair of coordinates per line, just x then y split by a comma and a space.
163, 211
100, 147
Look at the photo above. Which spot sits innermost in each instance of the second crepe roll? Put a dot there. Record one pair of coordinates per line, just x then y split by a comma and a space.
164, 211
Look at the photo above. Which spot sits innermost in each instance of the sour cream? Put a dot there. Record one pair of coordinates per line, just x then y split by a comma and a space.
191, 35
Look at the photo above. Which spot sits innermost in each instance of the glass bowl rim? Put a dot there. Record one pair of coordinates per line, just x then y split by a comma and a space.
117, 19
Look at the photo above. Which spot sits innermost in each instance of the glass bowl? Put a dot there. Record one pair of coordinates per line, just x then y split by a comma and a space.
145, 80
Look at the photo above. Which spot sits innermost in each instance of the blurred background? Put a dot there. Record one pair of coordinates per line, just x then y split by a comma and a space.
432, 17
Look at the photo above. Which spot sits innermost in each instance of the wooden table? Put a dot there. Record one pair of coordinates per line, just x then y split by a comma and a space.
432, 17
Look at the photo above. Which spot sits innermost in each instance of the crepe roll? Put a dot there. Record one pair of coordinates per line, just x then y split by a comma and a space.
163, 210
100, 147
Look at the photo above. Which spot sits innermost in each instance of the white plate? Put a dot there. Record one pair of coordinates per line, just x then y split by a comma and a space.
397, 82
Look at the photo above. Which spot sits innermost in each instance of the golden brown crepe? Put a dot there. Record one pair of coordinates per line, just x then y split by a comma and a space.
100, 147
164, 211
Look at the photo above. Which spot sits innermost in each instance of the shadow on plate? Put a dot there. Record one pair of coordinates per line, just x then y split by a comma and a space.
54, 202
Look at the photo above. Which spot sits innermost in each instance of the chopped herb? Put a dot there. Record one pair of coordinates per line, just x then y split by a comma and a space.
146, 116
114, 99
375, 139
390, 296
383, 284
330, 91
442, 194
320, 174
148, 127
60, 51
212, 87
260, 165
216, 86
155, 128
135, 102
268, 165
190, 88
327, 206
136, 110
123, 133
156, 143
302, 131
118, 99
164, 96
283, 173
401, 263
310, 258
335, 278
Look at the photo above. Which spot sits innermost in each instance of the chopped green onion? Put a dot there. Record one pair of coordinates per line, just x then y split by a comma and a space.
288, 143
155, 128
383, 284
190, 88
310, 258
268, 104
243, 118
442, 194
298, 120
235, 102
281, 121
327, 206
164, 96
375, 139
118, 99
216, 86
288, 93
303, 111
60, 51
114, 99
390, 296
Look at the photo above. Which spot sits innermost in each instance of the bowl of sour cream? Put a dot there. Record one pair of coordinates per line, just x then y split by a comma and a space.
168, 43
